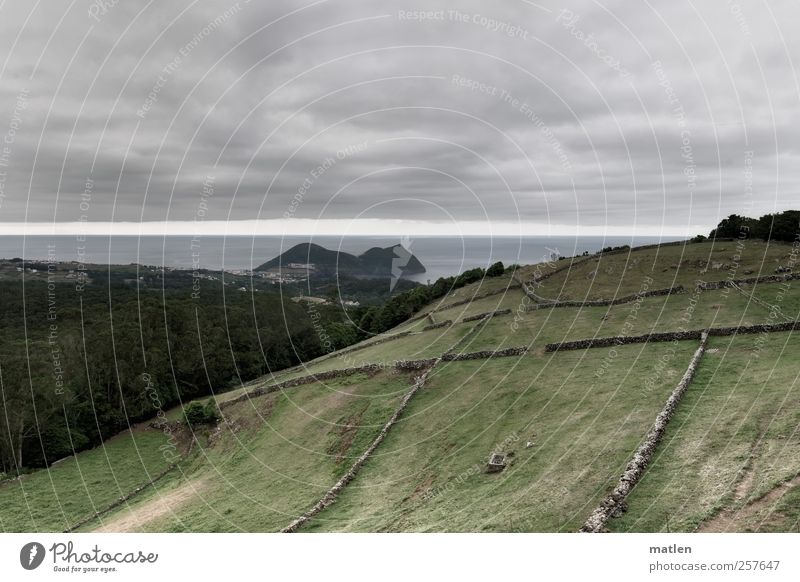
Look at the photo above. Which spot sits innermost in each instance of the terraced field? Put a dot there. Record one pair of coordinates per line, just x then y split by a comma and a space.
570, 436
390, 449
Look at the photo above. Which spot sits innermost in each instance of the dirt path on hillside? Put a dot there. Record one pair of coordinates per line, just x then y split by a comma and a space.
733, 520
132, 519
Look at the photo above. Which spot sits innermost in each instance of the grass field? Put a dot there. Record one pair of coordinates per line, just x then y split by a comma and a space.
734, 439
276, 457
56, 498
582, 432
621, 274
473, 292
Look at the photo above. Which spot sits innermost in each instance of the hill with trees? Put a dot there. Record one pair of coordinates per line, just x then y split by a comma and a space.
394, 261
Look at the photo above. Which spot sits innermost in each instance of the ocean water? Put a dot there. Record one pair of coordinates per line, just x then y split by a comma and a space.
442, 256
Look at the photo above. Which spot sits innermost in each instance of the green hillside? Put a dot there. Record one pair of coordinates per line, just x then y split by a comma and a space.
434, 398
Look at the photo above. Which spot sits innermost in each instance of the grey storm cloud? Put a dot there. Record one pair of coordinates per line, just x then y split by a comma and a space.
589, 112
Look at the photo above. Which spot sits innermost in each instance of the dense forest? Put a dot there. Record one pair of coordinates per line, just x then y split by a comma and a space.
79, 364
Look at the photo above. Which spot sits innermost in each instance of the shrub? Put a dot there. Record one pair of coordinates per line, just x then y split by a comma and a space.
197, 414
496, 270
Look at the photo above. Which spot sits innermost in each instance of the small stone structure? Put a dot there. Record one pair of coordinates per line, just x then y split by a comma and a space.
497, 462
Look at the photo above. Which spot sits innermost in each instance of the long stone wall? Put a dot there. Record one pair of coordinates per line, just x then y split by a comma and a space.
486, 354
607, 302
310, 379
768, 306
414, 365
613, 504
113, 505
487, 315
437, 325
469, 300
569, 264
603, 342
382, 340
710, 285
333, 492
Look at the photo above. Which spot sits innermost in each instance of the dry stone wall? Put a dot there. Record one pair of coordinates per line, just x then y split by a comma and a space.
537, 280
437, 325
710, 285
310, 379
382, 340
486, 354
487, 315
467, 301
603, 342
120, 501
607, 302
614, 504
413, 365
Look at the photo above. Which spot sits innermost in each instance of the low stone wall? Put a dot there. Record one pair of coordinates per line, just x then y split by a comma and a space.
382, 340
120, 501
516, 284
758, 328
608, 302
310, 379
487, 315
768, 306
669, 336
604, 342
437, 325
614, 504
710, 285
406, 365
333, 492
486, 354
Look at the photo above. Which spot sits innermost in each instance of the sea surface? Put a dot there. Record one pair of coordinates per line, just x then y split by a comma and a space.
441, 256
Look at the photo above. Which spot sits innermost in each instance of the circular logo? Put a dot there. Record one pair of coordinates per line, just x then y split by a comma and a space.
31, 555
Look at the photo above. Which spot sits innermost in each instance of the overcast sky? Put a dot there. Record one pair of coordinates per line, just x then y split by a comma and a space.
646, 116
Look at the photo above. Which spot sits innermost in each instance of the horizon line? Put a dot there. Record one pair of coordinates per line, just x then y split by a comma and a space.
339, 227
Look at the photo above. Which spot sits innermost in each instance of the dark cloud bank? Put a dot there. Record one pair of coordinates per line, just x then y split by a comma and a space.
590, 113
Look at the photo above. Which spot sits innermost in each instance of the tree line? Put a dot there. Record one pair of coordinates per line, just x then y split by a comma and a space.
781, 226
